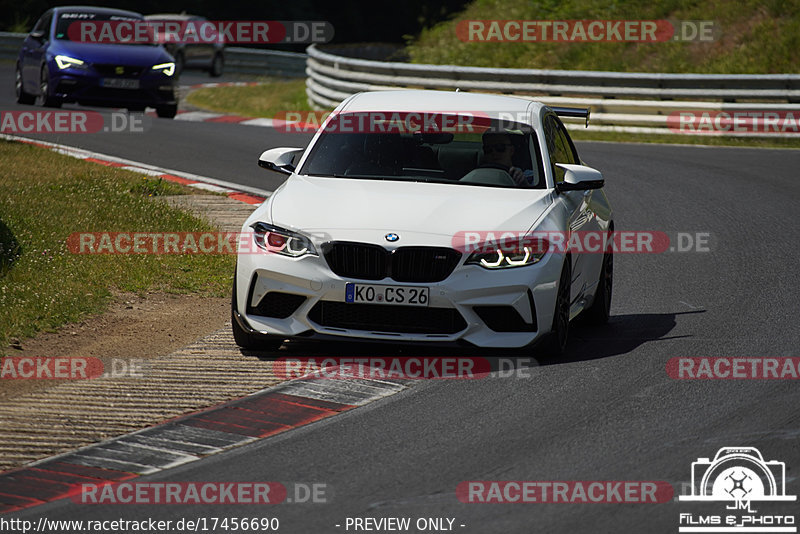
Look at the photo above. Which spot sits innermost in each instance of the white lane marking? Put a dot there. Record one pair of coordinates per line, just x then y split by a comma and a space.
197, 116
259, 122
212, 187
142, 170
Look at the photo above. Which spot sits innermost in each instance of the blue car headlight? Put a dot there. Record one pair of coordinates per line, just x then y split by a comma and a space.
167, 68
66, 62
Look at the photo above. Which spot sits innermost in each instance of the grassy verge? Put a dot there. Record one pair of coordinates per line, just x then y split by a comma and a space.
265, 100
751, 36
45, 197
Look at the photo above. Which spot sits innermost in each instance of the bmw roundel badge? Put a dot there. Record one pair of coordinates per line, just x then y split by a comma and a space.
392, 237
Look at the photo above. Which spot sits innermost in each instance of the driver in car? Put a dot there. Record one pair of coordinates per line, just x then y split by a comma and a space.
498, 150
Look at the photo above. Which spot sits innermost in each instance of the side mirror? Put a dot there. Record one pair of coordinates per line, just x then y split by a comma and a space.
38, 35
579, 178
279, 159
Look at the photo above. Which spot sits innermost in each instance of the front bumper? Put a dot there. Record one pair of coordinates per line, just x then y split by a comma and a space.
306, 299
86, 88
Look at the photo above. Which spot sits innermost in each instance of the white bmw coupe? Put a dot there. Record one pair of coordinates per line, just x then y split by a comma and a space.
427, 216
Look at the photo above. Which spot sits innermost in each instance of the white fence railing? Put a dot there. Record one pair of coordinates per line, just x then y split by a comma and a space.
620, 101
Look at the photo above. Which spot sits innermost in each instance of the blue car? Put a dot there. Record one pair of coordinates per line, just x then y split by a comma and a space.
53, 68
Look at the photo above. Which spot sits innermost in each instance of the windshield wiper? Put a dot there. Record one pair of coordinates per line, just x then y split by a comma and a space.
357, 176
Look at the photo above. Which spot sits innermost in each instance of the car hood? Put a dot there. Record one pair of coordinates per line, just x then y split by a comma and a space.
135, 55
364, 210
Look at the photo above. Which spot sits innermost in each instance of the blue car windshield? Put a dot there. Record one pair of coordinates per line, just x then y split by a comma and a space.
100, 33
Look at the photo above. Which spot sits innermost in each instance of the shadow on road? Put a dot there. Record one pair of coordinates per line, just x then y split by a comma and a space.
622, 335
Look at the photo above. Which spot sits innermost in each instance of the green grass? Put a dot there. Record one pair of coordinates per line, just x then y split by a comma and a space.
264, 100
756, 36
45, 197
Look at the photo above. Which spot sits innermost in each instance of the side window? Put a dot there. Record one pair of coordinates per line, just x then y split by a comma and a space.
39, 24
569, 146
559, 145
43, 24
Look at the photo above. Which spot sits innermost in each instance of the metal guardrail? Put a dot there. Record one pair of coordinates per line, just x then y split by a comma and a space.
237, 60
621, 101
265, 62
10, 43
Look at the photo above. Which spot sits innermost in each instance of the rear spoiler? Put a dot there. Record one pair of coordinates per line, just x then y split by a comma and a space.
573, 112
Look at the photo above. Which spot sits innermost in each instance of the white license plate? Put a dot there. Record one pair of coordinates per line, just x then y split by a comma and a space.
393, 295
121, 83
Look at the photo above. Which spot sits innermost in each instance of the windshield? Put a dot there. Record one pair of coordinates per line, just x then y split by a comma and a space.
100, 32
443, 148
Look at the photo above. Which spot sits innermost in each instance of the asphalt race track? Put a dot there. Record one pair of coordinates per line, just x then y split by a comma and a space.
609, 411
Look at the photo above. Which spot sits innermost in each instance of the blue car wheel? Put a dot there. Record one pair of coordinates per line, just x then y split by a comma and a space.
19, 89
44, 88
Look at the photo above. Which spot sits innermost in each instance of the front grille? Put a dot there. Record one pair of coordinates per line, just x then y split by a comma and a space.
423, 264
366, 261
112, 93
357, 260
504, 319
277, 304
380, 318
128, 71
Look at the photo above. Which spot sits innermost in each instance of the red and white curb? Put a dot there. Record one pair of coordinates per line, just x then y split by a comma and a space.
188, 438
249, 195
209, 116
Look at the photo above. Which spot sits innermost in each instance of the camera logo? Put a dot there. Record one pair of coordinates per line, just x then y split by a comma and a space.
738, 474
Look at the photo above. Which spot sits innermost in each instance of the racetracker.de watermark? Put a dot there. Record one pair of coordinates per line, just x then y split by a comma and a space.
579, 242
164, 243
383, 122
67, 121
200, 31
734, 122
151, 493
70, 368
564, 491
585, 31
408, 368
733, 368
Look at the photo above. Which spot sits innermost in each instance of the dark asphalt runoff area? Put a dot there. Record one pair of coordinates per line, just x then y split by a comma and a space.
607, 412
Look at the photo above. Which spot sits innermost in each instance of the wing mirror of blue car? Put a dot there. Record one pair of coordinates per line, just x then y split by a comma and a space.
279, 159
579, 178
38, 35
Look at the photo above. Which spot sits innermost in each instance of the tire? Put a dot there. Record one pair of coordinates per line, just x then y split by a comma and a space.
247, 340
555, 344
19, 89
217, 66
167, 112
44, 88
600, 311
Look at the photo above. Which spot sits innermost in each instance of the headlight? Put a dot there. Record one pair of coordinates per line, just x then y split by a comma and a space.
280, 241
503, 259
65, 62
167, 68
